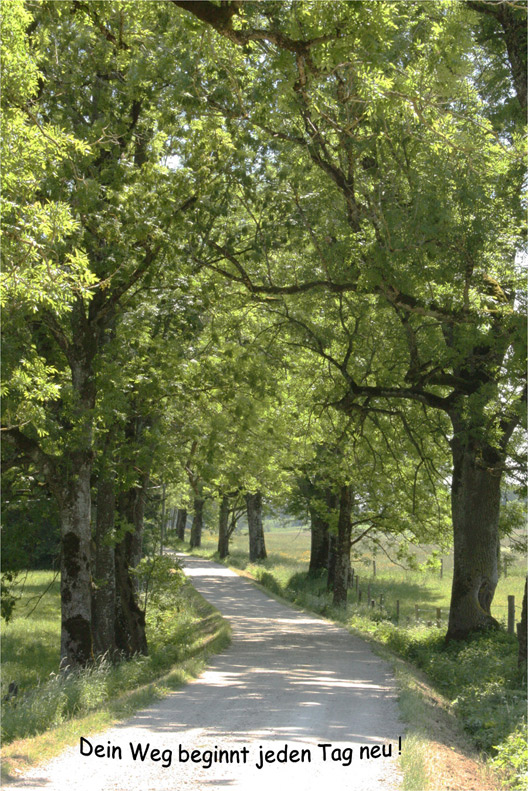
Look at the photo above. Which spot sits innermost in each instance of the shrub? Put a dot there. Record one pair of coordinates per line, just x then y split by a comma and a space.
512, 756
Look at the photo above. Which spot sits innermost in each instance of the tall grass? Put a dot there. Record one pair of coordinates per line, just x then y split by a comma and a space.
30, 654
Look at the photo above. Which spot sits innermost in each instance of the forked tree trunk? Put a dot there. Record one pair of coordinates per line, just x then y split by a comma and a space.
181, 523
197, 524
103, 599
475, 504
342, 548
223, 528
76, 592
257, 545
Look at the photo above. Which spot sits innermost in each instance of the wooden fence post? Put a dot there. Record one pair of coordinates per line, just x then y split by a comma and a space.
511, 614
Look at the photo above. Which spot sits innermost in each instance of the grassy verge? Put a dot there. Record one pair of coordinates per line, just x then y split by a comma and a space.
474, 685
50, 713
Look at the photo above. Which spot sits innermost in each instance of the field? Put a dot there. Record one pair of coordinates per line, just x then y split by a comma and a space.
289, 554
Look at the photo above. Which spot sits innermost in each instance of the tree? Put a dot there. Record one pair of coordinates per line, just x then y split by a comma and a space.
100, 91
257, 544
423, 185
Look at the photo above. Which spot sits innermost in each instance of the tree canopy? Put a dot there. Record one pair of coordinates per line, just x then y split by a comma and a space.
248, 244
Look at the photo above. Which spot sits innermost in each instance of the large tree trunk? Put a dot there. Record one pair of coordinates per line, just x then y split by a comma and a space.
197, 524
321, 505
181, 523
331, 566
257, 546
76, 585
475, 503
103, 600
75, 502
319, 542
129, 618
342, 547
131, 507
223, 528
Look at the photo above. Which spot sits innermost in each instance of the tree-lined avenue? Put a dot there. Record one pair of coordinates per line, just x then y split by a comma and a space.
287, 678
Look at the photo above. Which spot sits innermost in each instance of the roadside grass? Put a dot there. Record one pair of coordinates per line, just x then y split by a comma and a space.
52, 710
476, 681
31, 640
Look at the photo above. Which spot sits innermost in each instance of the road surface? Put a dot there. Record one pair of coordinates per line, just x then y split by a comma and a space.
258, 717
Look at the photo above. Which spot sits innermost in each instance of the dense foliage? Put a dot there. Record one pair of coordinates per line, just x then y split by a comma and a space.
262, 250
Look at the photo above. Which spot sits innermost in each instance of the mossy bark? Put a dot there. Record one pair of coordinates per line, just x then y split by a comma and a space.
475, 504
76, 586
130, 631
104, 592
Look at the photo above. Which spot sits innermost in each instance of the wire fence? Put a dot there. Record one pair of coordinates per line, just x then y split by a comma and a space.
365, 594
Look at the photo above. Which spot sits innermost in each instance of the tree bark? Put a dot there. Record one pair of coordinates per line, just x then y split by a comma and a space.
181, 523
319, 542
75, 500
513, 24
223, 528
330, 577
129, 619
197, 524
131, 506
76, 585
321, 505
475, 504
104, 593
257, 546
342, 549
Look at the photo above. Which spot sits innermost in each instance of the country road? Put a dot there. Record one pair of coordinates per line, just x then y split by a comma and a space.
288, 683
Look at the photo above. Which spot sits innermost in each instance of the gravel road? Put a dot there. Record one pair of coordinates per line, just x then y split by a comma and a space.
288, 683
